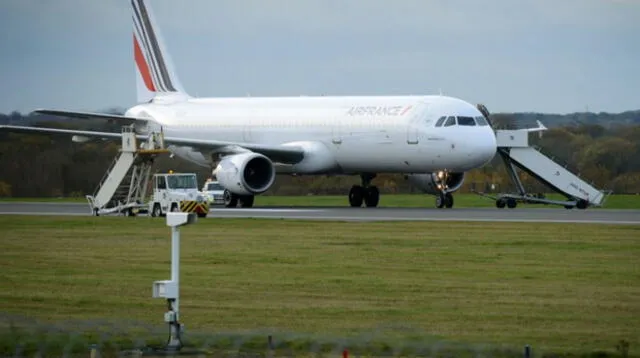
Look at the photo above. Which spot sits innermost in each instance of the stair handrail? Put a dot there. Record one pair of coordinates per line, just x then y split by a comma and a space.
106, 174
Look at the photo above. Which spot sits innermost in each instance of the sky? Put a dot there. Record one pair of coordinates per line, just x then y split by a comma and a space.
551, 56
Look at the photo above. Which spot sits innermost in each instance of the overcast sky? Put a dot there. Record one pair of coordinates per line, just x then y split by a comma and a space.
512, 55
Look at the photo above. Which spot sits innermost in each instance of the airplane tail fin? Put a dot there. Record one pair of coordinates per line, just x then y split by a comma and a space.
155, 73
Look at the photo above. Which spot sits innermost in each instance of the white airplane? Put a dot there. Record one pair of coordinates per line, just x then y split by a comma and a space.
432, 139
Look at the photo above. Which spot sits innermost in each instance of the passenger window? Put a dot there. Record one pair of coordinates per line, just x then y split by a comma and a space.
466, 121
481, 121
451, 121
440, 120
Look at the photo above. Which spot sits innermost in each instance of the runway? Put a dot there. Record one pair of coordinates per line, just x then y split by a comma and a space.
546, 214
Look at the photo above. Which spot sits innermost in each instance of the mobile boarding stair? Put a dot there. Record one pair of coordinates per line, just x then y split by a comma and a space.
514, 149
123, 189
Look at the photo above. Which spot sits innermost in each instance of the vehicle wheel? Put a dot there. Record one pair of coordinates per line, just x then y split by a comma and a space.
371, 196
568, 207
356, 195
448, 200
130, 212
511, 203
156, 210
202, 215
582, 204
500, 203
230, 199
174, 208
440, 201
246, 201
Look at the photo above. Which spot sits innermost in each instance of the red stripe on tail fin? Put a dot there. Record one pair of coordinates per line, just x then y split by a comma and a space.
142, 65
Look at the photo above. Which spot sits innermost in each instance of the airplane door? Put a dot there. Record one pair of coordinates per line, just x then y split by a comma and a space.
246, 132
412, 132
413, 127
336, 132
246, 129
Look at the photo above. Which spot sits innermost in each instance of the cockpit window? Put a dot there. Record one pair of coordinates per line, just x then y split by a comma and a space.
451, 121
466, 121
481, 121
440, 120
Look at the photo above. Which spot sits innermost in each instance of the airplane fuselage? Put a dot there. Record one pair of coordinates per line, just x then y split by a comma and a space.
391, 134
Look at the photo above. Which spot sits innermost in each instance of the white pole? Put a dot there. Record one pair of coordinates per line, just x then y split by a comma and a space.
175, 266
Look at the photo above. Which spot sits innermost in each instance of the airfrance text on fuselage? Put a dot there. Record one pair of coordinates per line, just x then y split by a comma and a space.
378, 110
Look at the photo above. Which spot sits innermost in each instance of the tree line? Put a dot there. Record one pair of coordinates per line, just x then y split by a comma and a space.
32, 165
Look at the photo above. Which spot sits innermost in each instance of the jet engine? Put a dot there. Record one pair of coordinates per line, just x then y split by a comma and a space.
434, 183
246, 173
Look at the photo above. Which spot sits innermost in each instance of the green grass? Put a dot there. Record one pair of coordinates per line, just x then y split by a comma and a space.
557, 287
619, 201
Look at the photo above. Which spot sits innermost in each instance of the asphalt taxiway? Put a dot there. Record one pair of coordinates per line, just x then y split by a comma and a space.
528, 214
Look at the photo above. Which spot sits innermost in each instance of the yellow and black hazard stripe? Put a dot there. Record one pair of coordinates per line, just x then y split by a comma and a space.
192, 206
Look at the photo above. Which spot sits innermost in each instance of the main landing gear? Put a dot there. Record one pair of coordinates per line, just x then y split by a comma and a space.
231, 200
365, 193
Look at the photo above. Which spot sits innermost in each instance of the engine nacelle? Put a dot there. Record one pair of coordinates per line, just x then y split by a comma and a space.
429, 183
246, 173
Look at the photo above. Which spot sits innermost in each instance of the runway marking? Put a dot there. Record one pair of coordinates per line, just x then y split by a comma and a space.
528, 215
268, 210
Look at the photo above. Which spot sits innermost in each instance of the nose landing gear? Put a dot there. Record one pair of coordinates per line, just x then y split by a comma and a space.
444, 198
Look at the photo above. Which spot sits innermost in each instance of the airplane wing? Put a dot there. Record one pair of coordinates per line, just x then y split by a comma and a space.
87, 115
278, 153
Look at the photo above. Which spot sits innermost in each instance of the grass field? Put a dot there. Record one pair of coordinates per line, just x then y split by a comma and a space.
392, 200
561, 288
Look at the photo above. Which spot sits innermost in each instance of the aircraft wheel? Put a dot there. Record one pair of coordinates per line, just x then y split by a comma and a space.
448, 200
371, 196
356, 196
440, 201
246, 201
568, 207
230, 199
500, 203
511, 203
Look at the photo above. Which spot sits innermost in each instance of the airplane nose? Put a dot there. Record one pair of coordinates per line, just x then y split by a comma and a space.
485, 147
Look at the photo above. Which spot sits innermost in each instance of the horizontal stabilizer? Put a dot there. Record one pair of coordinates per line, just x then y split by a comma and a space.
539, 128
73, 132
88, 115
